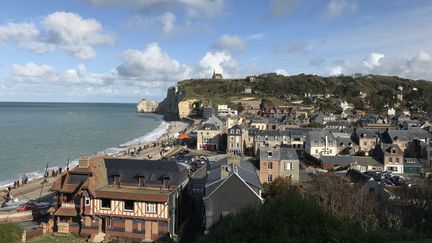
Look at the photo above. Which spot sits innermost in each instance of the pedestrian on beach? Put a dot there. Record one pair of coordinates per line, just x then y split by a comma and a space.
15, 185
9, 188
18, 183
60, 170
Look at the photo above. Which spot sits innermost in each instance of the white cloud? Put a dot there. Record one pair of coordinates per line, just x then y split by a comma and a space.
68, 31
220, 61
32, 70
168, 22
74, 34
281, 71
416, 67
18, 32
194, 8
230, 43
336, 8
151, 65
46, 74
423, 56
336, 70
373, 60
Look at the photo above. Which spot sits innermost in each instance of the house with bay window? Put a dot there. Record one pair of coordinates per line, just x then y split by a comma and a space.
137, 199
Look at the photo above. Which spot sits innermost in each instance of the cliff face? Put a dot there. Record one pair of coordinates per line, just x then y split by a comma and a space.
147, 106
175, 104
170, 103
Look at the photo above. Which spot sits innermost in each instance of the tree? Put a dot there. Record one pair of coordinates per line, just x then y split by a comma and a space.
278, 187
240, 107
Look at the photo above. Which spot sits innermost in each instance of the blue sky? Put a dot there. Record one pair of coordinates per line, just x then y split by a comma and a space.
125, 50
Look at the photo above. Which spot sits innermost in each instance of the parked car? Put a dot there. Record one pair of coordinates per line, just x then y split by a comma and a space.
33, 206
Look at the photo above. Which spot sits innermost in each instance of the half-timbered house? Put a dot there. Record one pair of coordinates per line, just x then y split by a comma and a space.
139, 199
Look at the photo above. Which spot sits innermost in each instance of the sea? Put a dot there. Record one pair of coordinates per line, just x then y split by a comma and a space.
33, 135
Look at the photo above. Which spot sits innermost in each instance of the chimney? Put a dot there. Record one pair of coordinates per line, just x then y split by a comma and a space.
84, 162
141, 181
224, 171
166, 181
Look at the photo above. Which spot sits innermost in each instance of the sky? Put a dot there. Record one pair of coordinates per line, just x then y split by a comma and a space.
126, 50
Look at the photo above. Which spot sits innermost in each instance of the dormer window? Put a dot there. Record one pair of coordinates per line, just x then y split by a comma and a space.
166, 182
141, 181
269, 154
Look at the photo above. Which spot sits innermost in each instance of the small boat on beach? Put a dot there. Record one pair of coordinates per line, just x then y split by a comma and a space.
12, 205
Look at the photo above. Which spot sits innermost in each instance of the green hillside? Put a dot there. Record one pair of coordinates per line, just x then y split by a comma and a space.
278, 90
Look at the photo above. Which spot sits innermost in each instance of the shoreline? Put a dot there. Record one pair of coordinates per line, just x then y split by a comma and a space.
170, 124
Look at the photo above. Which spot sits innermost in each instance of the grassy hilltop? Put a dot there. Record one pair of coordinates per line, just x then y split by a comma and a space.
283, 90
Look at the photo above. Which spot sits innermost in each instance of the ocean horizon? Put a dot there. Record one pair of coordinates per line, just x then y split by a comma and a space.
33, 134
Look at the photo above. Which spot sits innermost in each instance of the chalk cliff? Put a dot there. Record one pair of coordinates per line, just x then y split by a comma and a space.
175, 104
147, 106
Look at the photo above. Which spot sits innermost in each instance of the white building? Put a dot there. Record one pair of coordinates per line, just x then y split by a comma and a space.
319, 143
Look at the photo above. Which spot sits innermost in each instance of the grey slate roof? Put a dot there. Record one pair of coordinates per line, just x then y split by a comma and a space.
320, 135
409, 135
246, 171
368, 133
208, 126
153, 170
278, 153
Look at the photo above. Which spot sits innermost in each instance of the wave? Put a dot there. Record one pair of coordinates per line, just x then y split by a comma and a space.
149, 137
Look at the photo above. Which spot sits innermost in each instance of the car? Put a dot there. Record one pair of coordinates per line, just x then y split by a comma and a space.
33, 206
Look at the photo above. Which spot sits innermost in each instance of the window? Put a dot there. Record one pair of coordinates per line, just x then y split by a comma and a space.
87, 201
397, 160
232, 145
269, 153
316, 151
270, 178
128, 205
392, 168
151, 208
288, 166
106, 203
390, 160
231, 138
270, 165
